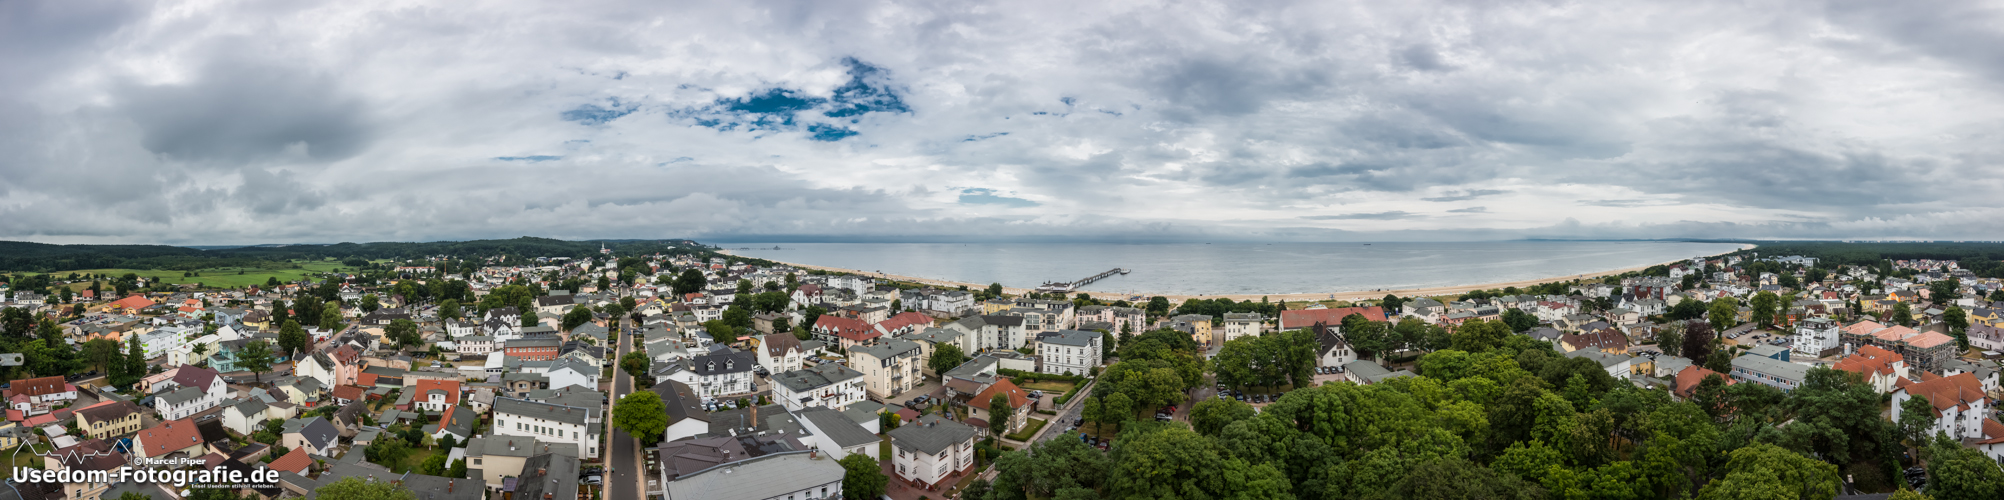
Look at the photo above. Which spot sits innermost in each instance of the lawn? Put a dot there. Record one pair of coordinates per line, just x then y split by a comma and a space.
1050, 386
29, 460
884, 449
1028, 430
215, 277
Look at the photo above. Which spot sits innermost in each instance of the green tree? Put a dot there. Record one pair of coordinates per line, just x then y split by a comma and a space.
1944, 291
862, 477
458, 469
356, 488
388, 450
404, 332
995, 290
636, 364
255, 357
1210, 416
433, 465
1903, 314
292, 339
1519, 320
103, 354
1724, 313
1958, 473
370, 303
330, 318
529, 318
1478, 335
1958, 326
1000, 414
1671, 339
1916, 420
1116, 410
1764, 305
641, 415
135, 361
944, 358
578, 316
1179, 463
691, 281
1768, 471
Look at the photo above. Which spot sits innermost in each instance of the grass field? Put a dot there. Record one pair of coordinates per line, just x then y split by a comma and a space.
222, 277
1049, 386
1028, 430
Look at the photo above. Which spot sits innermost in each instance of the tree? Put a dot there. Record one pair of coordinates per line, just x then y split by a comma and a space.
433, 465
1671, 340
1519, 320
1000, 414
370, 303
1698, 338
356, 488
388, 450
255, 356
404, 332
1958, 473
1958, 326
691, 281
135, 361
1687, 309
1723, 313
945, 358
995, 290
1944, 291
812, 316
862, 477
1210, 416
1917, 420
1116, 410
636, 364
529, 318
1479, 335
578, 316
103, 354
458, 469
1764, 305
330, 318
292, 339
641, 415
1768, 471
1902, 314
448, 309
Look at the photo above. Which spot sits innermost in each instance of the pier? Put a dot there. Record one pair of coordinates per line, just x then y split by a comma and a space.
1059, 286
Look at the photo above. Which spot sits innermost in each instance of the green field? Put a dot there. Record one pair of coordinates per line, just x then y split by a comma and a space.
221, 277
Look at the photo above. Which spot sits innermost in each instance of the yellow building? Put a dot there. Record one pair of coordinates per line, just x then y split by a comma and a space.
109, 419
997, 305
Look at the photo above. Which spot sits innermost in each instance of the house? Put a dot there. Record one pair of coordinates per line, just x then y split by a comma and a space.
1241, 325
686, 417
36, 396
497, 459
1019, 405
1332, 349
835, 434
932, 451
827, 385
474, 345
109, 419
315, 434
716, 375
1608, 340
534, 348
1768, 371
1333, 317
348, 394
1959, 403
889, 368
1986, 372
548, 476
791, 474
902, 323
457, 421
1619, 366
1366, 372
548, 422
246, 416
779, 353
566, 372
1814, 336
1070, 352
435, 395
89, 455
846, 332
1198, 326
1876, 366
296, 462
1687, 380
992, 331
173, 436
182, 403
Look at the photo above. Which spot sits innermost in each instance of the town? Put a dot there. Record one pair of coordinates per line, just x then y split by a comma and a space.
695, 374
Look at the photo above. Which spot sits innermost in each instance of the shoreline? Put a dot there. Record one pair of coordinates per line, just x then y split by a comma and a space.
1311, 297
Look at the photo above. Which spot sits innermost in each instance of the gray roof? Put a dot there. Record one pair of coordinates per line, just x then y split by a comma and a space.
317, 431
681, 401
444, 488
778, 474
546, 411
1605, 359
886, 349
516, 446
1774, 367
971, 367
717, 364
536, 342
181, 396
1766, 350
1072, 338
931, 434
250, 406
1370, 372
838, 428
818, 376
577, 365
552, 474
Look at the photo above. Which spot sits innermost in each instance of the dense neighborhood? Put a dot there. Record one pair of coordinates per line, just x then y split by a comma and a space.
700, 375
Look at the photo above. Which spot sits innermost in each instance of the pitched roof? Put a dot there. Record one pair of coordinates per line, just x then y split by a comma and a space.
1017, 396
1303, 318
294, 462
450, 388
349, 392
1863, 328
903, 320
1948, 392
1870, 360
777, 344
1605, 338
108, 410
1689, 378
546, 411
168, 437
41, 386
133, 302
845, 327
1930, 339
317, 431
931, 434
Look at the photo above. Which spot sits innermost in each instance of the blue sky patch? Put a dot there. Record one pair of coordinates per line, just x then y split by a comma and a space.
983, 196
828, 133
777, 108
983, 137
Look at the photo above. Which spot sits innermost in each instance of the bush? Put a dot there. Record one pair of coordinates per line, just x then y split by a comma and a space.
1034, 376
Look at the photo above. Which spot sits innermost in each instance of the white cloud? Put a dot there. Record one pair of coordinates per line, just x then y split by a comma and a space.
251, 122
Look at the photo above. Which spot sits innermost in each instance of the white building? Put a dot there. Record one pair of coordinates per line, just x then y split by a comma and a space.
1959, 402
479, 345
1069, 352
933, 450
548, 422
827, 385
1815, 335
1239, 325
193, 390
780, 352
716, 375
567, 371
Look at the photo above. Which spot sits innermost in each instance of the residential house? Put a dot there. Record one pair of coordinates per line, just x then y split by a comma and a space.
779, 353
1768, 371
1019, 406
793, 474
435, 395
169, 437
835, 434
496, 459
109, 419
1814, 336
534, 348
1198, 326
548, 476
1606, 339
1960, 405
456, 421
566, 372
36, 396
903, 323
246, 416
1687, 380
89, 455
932, 451
993, 331
548, 422
1986, 372
1619, 366
1070, 352
828, 385
846, 332
474, 345
889, 368
315, 434
686, 417
1240, 325
1332, 317
1876, 366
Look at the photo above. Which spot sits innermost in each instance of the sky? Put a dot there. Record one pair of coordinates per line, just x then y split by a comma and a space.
248, 122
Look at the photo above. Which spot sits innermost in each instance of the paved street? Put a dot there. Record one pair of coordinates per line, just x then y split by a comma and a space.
1062, 422
624, 457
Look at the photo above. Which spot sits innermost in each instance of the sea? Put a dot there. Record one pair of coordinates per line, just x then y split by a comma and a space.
1237, 268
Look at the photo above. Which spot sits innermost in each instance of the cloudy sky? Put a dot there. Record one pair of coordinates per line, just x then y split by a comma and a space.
242, 122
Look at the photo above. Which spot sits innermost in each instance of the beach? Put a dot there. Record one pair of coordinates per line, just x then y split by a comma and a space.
1178, 298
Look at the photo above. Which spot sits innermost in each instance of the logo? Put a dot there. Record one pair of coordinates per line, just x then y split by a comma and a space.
137, 469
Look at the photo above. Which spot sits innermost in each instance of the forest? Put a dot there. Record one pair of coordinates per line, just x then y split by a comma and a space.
18, 256
1979, 257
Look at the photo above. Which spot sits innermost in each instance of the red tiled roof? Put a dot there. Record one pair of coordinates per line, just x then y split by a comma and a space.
849, 328
133, 302
1870, 360
168, 437
425, 386
1948, 392
1993, 432
904, 320
1691, 376
1304, 318
349, 392
39, 386
1017, 396
365, 379
294, 462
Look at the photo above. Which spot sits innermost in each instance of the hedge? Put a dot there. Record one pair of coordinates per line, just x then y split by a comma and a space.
1034, 376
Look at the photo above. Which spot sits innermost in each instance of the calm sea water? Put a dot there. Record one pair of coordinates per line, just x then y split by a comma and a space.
1237, 268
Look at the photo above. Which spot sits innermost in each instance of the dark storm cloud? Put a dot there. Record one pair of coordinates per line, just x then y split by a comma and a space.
238, 111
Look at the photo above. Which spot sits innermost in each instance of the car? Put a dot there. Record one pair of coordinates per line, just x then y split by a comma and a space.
594, 480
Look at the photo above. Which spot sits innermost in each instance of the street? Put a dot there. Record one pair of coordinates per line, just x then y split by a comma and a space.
623, 460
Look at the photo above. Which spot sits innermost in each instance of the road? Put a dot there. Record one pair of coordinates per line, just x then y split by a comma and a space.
1061, 423
627, 481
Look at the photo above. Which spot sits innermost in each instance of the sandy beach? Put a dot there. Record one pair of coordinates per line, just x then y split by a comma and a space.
1178, 298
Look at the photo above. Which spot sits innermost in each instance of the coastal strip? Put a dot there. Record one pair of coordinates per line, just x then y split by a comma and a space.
1178, 298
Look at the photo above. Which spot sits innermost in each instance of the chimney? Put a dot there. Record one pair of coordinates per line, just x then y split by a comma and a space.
754, 413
